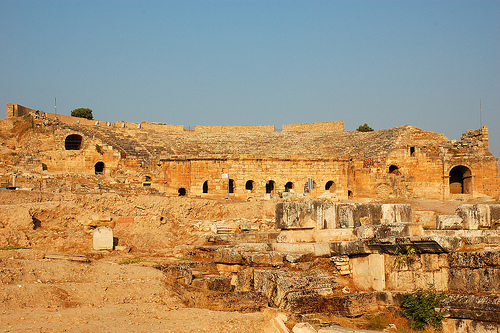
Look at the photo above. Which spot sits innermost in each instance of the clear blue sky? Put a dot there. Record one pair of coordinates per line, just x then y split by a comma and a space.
385, 63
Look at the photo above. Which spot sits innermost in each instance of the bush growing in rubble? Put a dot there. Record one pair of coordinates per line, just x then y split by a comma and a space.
364, 128
420, 305
82, 113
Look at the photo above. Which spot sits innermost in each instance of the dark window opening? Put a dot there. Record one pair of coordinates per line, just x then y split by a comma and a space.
350, 194
330, 186
205, 186
73, 142
44, 167
249, 185
412, 151
460, 180
99, 168
288, 187
181, 191
147, 178
394, 170
270, 186
230, 187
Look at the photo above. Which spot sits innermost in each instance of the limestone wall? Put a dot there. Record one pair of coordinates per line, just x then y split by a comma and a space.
233, 129
329, 126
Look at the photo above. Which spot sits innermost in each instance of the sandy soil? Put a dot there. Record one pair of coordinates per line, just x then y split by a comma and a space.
38, 294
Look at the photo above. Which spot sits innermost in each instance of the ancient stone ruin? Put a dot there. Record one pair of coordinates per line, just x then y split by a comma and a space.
252, 162
344, 240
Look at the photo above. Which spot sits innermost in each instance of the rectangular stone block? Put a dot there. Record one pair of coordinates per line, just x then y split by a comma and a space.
449, 222
103, 238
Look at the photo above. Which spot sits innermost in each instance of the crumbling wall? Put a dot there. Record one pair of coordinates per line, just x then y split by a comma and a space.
329, 126
234, 129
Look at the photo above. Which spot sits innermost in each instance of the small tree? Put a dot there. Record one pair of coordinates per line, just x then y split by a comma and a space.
82, 113
419, 307
364, 128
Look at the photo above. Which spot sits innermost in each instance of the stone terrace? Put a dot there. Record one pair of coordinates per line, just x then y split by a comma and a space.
262, 144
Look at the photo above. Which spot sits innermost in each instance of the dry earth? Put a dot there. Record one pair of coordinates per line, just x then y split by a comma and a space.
45, 288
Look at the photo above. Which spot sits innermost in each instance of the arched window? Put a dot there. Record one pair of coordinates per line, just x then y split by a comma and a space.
270, 186
205, 186
99, 168
460, 180
73, 142
394, 170
288, 187
249, 185
181, 191
330, 186
231, 186
44, 167
147, 178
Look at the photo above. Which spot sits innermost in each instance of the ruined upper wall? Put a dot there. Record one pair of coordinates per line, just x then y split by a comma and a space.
16, 110
478, 135
329, 126
234, 129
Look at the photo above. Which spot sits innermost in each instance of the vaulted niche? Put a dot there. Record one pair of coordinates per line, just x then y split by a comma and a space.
270, 186
99, 168
394, 170
288, 187
330, 186
181, 191
73, 142
249, 185
460, 180
205, 186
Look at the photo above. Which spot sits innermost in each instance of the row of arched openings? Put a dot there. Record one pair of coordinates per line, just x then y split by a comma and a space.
270, 186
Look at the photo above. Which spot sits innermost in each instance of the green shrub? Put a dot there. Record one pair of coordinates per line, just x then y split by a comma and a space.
82, 113
364, 128
419, 307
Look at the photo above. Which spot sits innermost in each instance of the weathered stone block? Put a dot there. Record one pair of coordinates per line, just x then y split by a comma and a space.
449, 222
103, 238
178, 274
228, 256
245, 280
213, 282
395, 213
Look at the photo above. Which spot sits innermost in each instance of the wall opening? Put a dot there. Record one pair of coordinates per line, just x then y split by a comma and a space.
288, 187
147, 178
330, 186
350, 194
249, 185
412, 151
230, 187
460, 180
181, 191
270, 186
205, 186
73, 142
44, 167
394, 170
99, 168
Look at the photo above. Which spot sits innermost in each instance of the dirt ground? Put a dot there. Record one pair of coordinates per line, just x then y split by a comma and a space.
47, 288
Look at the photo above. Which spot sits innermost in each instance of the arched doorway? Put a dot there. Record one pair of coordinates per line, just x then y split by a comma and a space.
181, 191
330, 186
394, 169
270, 186
288, 187
73, 142
99, 168
460, 180
231, 186
205, 186
249, 185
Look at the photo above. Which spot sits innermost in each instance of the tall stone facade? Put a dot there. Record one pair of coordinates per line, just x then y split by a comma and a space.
255, 162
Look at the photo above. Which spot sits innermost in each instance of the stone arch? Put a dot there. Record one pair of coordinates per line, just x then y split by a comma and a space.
394, 169
330, 186
182, 191
73, 142
249, 185
460, 180
99, 168
231, 186
147, 178
288, 187
270, 186
205, 186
